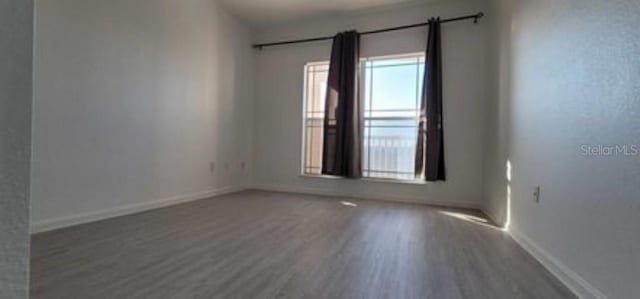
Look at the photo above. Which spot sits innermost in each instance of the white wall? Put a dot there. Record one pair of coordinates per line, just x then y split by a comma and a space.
574, 75
279, 90
498, 112
133, 99
16, 35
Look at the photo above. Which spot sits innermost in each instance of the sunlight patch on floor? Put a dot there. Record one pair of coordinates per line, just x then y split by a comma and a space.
348, 204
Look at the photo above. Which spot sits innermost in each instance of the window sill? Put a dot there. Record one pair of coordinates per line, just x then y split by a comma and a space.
375, 180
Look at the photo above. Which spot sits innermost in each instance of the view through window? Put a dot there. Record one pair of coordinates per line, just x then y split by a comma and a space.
390, 92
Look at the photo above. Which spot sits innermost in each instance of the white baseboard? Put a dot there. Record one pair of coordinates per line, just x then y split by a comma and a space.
571, 279
57, 223
394, 198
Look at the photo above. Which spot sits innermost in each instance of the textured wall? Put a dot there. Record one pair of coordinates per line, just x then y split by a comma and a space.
132, 100
572, 79
16, 35
279, 98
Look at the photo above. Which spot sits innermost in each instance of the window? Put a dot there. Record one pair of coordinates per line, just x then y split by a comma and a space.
390, 89
315, 90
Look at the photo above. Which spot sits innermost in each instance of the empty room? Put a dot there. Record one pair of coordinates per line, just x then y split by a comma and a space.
319, 149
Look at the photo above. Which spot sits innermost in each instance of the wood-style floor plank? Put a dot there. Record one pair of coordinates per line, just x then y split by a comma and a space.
257, 244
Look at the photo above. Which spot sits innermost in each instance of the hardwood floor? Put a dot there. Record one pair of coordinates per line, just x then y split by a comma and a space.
257, 244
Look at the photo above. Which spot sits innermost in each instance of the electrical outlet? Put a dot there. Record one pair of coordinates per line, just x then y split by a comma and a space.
212, 166
536, 194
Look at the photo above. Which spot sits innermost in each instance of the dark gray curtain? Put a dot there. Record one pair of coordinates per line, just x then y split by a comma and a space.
341, 150
430, 147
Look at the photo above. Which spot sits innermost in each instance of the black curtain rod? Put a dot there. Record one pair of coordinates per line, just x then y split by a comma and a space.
475, 18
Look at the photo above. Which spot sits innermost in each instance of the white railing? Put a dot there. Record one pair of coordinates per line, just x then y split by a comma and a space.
383, 156
389, 156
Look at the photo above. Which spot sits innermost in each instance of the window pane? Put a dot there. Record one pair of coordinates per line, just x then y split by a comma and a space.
390, 116
390, 147
314, 135
317, 86
394, 84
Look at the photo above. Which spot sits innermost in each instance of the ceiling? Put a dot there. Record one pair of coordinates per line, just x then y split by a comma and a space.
273, 11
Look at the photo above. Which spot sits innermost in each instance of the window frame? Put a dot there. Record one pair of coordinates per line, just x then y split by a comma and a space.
362, 69
305, 95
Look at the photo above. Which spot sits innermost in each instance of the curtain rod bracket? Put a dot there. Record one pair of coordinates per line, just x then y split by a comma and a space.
479, 15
